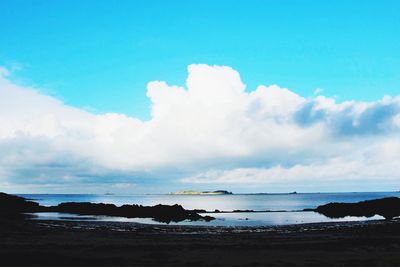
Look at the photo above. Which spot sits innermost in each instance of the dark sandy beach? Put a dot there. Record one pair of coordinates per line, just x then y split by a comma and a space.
63, 243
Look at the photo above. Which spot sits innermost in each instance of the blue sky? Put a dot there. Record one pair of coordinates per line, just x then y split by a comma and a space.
156, 96
100, 55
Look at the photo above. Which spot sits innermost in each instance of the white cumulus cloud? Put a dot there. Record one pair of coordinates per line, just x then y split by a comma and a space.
210, 132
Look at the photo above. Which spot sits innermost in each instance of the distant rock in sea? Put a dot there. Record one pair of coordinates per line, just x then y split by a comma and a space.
192, 192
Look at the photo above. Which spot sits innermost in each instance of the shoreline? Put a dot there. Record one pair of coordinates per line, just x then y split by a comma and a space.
201, 229
71, 243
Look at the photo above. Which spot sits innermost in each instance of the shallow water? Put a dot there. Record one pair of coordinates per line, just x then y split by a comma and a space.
221, 219
264, 202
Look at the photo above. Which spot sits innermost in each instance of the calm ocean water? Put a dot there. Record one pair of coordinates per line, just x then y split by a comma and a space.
291, 203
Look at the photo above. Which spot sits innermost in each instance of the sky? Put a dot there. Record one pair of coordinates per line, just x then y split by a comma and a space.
158, 96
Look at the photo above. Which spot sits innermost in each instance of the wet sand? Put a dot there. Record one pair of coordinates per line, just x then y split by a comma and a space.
61, 243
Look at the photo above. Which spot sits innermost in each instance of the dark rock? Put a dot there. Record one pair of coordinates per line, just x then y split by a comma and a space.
15, 204
243, 211
199, 211
386, 207
12, 206
12, 209
307, 209
160, 213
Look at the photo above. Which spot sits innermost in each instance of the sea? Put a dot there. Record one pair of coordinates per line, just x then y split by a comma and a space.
272, 209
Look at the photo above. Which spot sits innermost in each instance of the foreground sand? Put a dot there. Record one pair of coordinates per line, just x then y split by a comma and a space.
55, 243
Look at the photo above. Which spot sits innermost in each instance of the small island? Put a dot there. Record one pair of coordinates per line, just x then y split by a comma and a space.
192, 192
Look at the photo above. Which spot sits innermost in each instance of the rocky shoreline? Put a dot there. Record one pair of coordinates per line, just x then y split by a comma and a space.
45, 243
11, 205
